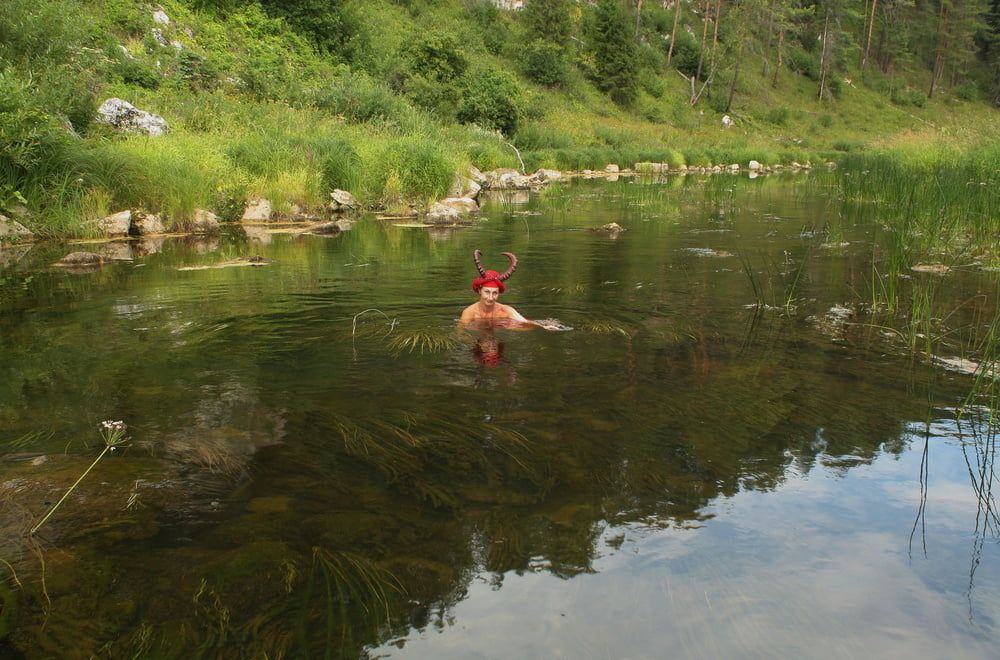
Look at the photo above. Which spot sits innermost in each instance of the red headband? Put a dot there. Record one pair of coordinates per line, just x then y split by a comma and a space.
489, 278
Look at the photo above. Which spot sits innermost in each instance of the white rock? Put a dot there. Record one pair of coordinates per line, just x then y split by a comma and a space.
735, 167
126, 117
148, 223
341, 200
159, 38
612, 168
257, 210
205, 222
727, 121
160, 17
116, 224
547, 175
12, 231
754, 165
464, 205
476, 175
440, 214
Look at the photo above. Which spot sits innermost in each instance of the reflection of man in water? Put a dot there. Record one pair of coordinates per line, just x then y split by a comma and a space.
488, 310
488, 350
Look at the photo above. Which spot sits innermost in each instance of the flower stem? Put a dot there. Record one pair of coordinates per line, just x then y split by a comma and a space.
70, 490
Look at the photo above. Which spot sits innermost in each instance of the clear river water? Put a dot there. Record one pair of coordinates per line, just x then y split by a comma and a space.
729, 455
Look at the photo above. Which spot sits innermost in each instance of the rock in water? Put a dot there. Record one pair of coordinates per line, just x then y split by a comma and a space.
80, 260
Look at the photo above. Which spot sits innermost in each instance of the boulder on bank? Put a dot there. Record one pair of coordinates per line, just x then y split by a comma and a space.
144, 224
754, 166
452, 211
342, 201
205, 222
115, 225
464, 187
257, 210
612, 168
124, 116
506, 178
544, 176
12, 231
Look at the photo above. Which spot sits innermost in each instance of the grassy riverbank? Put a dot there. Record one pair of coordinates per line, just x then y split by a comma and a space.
389, 107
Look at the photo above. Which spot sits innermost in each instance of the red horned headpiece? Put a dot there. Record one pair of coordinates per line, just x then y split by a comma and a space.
492, 277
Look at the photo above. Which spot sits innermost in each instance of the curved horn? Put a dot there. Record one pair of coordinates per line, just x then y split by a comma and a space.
476, 256
513, 265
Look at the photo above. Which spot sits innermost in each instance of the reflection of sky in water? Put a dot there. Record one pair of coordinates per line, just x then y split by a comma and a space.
819, 567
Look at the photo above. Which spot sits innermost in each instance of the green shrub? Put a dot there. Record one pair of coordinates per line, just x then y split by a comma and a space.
329, 24
359, 98
685, 56
136, 72
544, 62
826, 120
492, 100
777, 116
437, 56
802, 62
908, 96
492, 27
196, 72
969, 91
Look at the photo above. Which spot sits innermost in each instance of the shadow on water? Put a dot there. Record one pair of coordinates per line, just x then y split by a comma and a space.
309, 479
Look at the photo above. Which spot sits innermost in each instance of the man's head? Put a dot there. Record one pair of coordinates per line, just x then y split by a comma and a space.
490, 278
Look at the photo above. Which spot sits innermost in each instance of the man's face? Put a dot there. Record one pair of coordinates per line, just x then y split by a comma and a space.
488, 295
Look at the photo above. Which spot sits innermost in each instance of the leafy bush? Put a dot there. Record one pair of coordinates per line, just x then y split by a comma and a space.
969, 91
799, 61
544, 62
826, 120
490, 21
359, 98
685, 55
491, 99
329, 24
908, 97
437, 56
777, 116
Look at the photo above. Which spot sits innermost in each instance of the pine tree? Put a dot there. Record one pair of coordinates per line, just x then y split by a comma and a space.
614, 49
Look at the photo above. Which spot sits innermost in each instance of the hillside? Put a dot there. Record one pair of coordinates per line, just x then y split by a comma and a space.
388, 99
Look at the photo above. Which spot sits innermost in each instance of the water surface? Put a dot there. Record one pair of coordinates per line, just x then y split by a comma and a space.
730, 456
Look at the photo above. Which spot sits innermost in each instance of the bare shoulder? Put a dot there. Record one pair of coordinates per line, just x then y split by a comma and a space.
468, 314
511, 313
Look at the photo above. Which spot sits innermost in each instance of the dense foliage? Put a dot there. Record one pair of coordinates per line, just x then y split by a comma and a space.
570, 83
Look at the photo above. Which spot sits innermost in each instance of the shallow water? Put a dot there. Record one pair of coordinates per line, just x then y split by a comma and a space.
322, 464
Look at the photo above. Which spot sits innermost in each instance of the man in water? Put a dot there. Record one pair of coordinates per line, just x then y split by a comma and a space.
488, 310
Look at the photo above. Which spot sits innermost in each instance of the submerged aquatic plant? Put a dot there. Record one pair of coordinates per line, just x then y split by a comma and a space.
113, 434
429, 340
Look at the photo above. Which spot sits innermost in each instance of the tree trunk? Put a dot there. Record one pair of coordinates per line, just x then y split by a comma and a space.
864, 31
939, 50
736, 75
777, 66
638, 17
868, 39
767, 42
823, 63
715, 31
673, 33
704, 38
